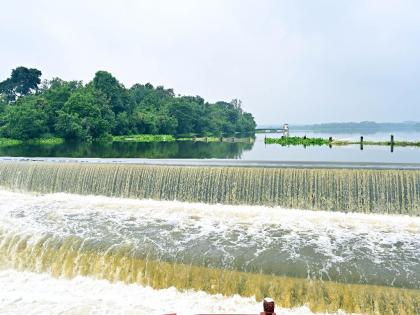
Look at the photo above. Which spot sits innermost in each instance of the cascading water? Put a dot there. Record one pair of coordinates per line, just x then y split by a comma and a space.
357, 262
349, 190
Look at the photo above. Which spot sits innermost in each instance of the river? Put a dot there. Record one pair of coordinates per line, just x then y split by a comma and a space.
248, 149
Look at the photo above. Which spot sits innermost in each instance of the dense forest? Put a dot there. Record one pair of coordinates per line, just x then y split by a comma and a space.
32, 109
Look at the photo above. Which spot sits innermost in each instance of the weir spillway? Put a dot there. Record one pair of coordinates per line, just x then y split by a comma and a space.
348, 190
219, 229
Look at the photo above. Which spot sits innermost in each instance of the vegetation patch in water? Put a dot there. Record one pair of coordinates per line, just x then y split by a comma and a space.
53, 140
11, 142
8, 142
144, 138
297, 141
321, 141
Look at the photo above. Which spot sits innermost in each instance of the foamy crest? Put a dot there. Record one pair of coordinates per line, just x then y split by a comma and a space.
32, 293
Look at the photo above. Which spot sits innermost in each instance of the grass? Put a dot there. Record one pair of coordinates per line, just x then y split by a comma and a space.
320, 141
5, 142
53, 140
297, 141
144, 138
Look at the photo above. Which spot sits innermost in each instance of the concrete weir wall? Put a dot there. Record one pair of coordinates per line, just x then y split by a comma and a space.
384, 191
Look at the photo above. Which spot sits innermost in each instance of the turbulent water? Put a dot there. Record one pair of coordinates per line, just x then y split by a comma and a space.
349, 190
136, 241
23, 291
340, 247
79, 239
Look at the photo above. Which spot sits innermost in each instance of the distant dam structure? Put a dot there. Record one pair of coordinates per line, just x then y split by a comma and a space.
347, 190
284, 128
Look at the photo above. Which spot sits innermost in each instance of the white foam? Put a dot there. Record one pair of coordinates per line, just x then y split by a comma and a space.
32, 293
177, 211
384, 249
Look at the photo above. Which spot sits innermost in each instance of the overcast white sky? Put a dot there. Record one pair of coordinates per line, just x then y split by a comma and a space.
288, 61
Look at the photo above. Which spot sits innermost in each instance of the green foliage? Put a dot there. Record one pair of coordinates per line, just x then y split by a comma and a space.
56, 93
123, 124
86, 115
25, 120
182, 109
5, 142
47, 140
102, 107
297, 141
113, 90
320, 141
23, 81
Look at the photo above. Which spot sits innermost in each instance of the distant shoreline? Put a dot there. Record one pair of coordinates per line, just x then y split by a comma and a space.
350, 127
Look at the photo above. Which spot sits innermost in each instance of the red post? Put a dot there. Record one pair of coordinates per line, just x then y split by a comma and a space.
268, 306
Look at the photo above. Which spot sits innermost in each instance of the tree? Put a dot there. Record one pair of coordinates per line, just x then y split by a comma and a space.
23, 81
56, 93
70, 127
113, 90
25, 121
167, 124
104, 106
145, 122
246, 123
138, 92
86, 114
182, 110
3, 105
123, 124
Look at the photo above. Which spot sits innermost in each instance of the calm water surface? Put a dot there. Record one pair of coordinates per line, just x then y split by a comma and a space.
251, 149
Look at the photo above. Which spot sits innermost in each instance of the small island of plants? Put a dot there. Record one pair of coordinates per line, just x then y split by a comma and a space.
306, 141
55, 110
296, 141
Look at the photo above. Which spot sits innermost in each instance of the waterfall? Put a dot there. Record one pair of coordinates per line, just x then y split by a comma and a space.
347, 190
69, 258
245, 231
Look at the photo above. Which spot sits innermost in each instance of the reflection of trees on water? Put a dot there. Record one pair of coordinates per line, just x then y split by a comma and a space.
181, 149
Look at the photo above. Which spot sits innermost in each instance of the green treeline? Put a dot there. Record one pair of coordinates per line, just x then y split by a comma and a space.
103, 107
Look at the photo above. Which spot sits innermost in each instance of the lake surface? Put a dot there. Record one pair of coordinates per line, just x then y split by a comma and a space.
249, 150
